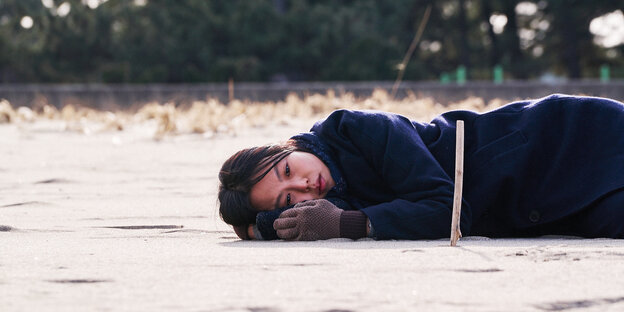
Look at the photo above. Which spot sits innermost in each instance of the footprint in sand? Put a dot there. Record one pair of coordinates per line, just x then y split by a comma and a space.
6, 228
79, 281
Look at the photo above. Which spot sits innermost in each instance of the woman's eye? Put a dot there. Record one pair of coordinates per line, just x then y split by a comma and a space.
287, 199
287, 170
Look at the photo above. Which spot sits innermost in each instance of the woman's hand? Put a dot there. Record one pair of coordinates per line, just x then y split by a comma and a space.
244, 232
310, 220
250, 232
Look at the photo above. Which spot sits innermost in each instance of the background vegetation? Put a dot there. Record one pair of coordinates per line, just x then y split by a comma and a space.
171, 41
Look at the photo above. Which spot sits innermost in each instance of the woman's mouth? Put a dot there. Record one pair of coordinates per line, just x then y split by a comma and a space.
321, 184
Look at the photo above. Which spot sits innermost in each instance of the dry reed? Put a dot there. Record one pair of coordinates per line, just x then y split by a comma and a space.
212, 117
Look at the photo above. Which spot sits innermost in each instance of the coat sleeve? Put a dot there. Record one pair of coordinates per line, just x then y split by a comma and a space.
384, 153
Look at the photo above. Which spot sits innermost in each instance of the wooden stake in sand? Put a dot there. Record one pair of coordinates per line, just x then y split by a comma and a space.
459, 176
231, 90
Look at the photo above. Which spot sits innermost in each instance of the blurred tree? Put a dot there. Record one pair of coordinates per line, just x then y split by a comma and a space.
172, 41
513, 56
492, 39
569, 42
22, 27
76, 45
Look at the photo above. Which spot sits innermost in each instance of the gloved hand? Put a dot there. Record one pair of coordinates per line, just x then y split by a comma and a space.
310, 220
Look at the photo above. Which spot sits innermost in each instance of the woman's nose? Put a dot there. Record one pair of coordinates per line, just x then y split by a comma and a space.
301, 185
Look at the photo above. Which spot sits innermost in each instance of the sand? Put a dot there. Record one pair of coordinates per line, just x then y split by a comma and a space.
118, 221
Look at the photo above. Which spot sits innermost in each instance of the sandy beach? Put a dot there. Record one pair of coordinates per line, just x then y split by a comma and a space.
118, 221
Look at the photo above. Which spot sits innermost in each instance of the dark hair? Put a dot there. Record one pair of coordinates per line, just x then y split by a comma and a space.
240, 173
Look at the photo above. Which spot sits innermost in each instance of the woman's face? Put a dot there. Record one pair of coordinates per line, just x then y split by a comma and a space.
298, 177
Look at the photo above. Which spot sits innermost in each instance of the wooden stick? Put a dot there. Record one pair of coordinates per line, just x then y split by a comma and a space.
231, 89
410, 51
459, 176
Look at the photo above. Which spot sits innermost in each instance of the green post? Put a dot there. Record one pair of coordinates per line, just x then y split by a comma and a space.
498, 74
445, 78
461, 74
604, 73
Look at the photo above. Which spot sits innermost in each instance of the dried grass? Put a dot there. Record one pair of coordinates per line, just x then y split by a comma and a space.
211, 117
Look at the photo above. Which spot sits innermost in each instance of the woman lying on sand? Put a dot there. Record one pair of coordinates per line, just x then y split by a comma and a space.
548, 166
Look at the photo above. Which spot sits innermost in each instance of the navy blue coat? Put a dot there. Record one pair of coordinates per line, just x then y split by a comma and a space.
527, 165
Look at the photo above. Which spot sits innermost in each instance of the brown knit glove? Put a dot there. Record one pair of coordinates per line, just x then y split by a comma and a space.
309, 220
